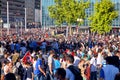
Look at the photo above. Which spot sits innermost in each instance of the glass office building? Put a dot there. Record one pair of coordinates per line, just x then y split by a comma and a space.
47, 21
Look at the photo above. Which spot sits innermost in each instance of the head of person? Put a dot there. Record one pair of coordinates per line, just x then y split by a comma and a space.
55, 57
60, 74
81, 63
117, 77
7, 62
52, 53
109, 60
69, 59
28, 64
117, 53
35, 58
40, 56
99, 50
10, 76
115, 61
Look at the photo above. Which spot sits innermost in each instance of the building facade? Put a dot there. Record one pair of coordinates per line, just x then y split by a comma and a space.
30, 11
38, 13
16, 10
47, 21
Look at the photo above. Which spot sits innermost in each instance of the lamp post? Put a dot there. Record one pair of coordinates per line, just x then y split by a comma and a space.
79, 20
1, 22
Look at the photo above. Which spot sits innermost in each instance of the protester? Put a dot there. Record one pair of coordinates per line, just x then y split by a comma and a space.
60, 74
36, 46
109, 72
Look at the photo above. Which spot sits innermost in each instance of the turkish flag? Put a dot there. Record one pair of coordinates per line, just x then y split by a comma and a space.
27, 57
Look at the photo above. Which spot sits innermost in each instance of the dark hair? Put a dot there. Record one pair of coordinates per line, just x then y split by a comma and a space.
35, 57
117, 76
55, 56
70, 58
52, 52
10, 76
62, 72
116, 61
40, 55
99, 50
109, 60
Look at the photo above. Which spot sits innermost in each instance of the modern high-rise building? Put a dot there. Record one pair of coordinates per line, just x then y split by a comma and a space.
47, 21
38, 14
16, 10
30, 11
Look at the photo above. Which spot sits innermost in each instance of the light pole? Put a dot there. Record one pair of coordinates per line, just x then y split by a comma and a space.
1, 22
79, 20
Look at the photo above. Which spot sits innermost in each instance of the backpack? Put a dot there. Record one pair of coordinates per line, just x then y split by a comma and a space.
76, 71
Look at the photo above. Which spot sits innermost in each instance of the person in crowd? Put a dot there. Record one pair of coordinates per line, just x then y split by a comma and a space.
85, 44
55, 46
76, 60
117, 77
29, 72
109, 72
93, 66
10, 76
38, 72
43, 46
69, 61
51, 62
6, 67
56, 63
82, 66
60, 74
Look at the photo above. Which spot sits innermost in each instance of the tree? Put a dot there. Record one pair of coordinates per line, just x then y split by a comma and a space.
104, 13
68, 11
56, 12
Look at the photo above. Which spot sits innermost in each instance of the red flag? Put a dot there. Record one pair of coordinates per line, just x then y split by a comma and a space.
27, 57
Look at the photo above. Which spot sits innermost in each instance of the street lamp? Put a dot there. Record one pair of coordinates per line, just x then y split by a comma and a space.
1, 21
79, 20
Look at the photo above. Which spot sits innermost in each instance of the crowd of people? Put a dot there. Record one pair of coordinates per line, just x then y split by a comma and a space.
42, 56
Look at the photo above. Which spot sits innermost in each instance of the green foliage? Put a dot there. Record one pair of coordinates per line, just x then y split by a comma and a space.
104, 13
68, 11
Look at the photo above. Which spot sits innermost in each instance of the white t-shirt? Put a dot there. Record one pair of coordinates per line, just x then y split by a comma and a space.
34, 63
99, 58
6, 69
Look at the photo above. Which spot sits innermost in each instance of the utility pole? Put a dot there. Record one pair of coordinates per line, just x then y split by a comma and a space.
8, 26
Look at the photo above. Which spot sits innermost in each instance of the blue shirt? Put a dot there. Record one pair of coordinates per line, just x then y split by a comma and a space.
57, 64
38, 63
17, 47
12, 46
